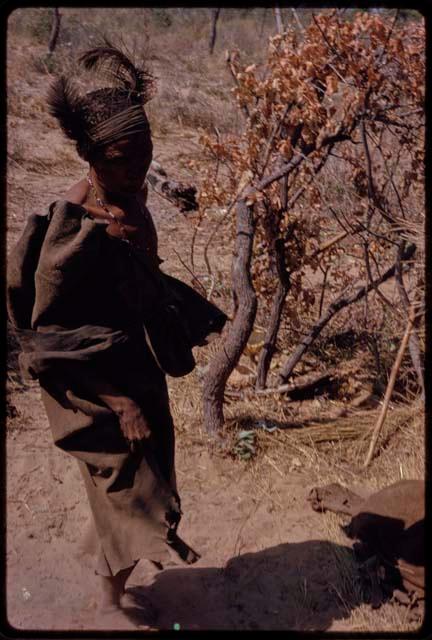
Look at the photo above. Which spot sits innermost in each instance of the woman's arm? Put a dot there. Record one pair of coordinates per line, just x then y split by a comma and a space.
132, 421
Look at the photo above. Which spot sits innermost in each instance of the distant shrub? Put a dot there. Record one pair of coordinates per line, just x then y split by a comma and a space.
40, 25
161, 17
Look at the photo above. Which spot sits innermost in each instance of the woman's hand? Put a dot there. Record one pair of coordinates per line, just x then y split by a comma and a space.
124, 224
132, 422
99, 213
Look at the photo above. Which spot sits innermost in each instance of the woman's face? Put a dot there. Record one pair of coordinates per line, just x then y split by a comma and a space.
121, 166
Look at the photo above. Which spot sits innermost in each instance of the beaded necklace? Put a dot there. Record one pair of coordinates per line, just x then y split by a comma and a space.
104, 206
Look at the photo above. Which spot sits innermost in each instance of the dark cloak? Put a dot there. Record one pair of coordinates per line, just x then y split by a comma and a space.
76, 298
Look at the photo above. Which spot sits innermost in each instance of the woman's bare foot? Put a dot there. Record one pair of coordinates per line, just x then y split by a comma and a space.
138, 606
110, 614
113, 588
119, 609
115, 618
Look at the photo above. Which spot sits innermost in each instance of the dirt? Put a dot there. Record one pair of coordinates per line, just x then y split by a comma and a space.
267, 561
267, 558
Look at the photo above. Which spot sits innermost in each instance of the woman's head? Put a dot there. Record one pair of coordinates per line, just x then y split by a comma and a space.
109, 125
121, 166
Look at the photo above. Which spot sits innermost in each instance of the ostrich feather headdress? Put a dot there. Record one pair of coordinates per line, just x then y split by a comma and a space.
105, 115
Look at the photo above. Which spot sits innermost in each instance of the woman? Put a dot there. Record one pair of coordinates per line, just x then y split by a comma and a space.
100, 324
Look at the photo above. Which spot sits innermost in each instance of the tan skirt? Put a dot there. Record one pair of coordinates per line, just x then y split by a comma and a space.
132, 491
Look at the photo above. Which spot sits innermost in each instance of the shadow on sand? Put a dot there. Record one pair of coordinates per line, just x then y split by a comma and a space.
302, 586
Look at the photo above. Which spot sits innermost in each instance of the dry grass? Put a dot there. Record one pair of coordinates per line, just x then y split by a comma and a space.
312, 436
348, 589
193, 87
334, 451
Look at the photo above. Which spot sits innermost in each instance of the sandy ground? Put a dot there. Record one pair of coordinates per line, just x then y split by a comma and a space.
267, 558
266, 561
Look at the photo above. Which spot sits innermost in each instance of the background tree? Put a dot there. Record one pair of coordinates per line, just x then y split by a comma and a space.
55, 30
343, 99
214, 21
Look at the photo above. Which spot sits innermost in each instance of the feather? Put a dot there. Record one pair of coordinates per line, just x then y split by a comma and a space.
65, 104
117, 65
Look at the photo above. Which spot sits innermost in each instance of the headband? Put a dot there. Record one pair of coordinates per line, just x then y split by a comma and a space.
84, 119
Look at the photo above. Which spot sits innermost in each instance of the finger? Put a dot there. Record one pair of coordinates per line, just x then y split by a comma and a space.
138, 432
128, 431
145, 432
141, 430
134, 434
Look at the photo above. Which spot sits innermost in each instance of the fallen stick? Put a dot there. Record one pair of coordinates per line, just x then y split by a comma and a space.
181, 194
320, 379
390, 387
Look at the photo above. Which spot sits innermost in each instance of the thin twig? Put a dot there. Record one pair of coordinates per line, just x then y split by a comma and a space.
371, 188
388, 37
212, 285
323, 288
194, 277
347, 228
234, 76
270, 461
389, 175
390, 387
274, 133
216, 229
371, 280
297, 19
302, 189
194, 236
340, 76
328, 43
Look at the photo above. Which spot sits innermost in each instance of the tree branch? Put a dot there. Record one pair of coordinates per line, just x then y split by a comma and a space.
341, 302
234, 76
289, 167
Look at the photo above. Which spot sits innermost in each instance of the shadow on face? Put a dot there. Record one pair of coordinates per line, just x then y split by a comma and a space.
121, 166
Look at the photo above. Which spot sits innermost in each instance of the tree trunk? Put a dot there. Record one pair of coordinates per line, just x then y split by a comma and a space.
282, 289
340, 303
55, 30
278, 17
297, 19
215, 18
235, 339
263, 22
268, 349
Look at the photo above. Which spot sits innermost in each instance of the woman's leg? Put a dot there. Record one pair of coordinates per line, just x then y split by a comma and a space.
114, 612
113, 588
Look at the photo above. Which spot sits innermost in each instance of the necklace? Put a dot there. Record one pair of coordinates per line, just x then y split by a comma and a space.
138, 244
104, 206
